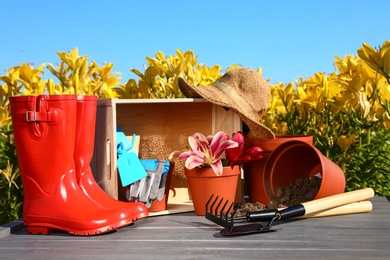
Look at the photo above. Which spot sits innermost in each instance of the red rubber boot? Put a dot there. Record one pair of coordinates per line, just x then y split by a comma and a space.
85, 137
44, 129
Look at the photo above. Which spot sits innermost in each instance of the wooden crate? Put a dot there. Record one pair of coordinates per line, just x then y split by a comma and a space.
163, 125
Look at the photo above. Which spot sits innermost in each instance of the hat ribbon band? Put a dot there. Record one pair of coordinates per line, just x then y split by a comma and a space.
247, 110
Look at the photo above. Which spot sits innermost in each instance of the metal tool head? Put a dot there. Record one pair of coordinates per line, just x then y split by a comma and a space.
223, 213
246, 229
220, 215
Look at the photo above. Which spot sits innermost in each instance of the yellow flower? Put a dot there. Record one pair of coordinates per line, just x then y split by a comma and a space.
370, 56
4, 117
10, 175
379, 61
345, 141
308, 95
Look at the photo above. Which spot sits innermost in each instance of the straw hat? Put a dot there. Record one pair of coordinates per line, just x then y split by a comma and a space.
243, 90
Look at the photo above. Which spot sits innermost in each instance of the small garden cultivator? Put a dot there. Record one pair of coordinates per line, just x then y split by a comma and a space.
223, 212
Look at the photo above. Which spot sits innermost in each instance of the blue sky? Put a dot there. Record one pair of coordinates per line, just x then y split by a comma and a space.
288, 39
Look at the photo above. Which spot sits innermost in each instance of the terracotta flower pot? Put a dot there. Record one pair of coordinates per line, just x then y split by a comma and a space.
296, 159
203, 182
254, 170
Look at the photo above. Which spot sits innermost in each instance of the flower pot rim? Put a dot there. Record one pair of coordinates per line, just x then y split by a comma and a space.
283, 136
323, 162
207, 172
275, 157
269, 145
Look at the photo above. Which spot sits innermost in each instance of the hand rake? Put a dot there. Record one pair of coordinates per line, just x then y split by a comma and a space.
224, 214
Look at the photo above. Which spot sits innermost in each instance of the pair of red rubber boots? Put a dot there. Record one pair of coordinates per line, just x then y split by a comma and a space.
54, 139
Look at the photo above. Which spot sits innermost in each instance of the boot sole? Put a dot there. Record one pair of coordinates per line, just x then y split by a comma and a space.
140, 215
48, 228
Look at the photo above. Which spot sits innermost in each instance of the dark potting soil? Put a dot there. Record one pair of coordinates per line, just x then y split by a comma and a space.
249, 207
302, 190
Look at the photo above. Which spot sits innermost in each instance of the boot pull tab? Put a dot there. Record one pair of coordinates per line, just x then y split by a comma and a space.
39, 116
52, 116
39, 112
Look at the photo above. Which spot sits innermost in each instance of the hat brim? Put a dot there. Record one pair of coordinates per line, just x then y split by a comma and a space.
218, 97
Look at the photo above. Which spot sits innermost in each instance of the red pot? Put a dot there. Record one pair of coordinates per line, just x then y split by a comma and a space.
202, 183
254, 171
296, 159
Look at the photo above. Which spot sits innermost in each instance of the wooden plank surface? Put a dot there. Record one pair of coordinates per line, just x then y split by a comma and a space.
187, 236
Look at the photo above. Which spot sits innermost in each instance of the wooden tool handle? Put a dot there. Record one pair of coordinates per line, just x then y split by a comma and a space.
334, 201
330, 202
352, 208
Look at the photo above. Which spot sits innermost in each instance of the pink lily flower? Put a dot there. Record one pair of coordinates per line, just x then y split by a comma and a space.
207, 151
240, 155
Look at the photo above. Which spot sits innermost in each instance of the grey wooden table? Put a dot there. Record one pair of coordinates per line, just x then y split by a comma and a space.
187, 236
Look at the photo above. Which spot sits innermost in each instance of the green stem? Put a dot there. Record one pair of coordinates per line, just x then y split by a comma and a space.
360, 144
344, 159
